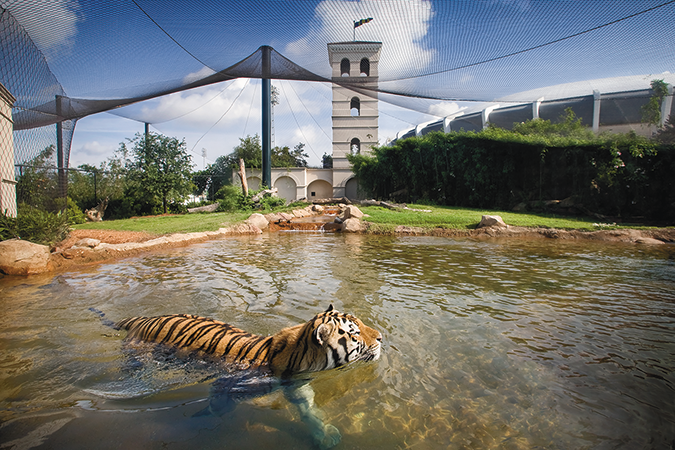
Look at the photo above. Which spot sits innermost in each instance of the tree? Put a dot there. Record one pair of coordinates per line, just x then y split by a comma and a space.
160, 166
37, 182
651, 111
250, 150
327, 161
666, 134
285, 157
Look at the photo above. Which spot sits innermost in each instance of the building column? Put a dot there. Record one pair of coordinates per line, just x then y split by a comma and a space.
666, 106
596, 111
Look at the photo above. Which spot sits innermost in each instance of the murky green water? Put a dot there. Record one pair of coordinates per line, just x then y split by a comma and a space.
493, 344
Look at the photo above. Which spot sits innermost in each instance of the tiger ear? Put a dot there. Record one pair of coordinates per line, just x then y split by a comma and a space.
330, 308
322, 333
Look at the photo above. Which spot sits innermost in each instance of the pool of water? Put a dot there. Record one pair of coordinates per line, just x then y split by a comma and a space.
503, 344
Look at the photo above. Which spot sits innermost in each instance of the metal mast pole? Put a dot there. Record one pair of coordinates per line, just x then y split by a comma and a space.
60, 155
266, 116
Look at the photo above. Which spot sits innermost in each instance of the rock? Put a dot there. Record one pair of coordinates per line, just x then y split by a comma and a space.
318, 208
301, 213
409, 231
285, 217
353, 225
492, 221
19, 257
242, 228
648, 241
272, 217
258, 220
89, 242
352, 211
208, 208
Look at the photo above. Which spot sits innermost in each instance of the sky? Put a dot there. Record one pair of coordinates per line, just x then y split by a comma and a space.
451, 51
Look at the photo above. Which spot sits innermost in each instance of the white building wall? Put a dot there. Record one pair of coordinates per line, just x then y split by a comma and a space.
7, 181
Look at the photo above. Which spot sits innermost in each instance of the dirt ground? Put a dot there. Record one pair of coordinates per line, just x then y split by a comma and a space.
108, 236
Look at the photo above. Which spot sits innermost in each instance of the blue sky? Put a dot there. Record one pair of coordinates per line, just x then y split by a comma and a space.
99, 49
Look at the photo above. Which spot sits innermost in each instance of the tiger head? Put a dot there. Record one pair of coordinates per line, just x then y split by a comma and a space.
331, 339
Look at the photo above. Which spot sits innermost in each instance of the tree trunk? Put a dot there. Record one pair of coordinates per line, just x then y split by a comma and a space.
242, 175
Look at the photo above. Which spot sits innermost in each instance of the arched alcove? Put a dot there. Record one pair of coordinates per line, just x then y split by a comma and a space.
319, 189
287, 188
254, 183
344, 67
365, 67
355, 146
355, 107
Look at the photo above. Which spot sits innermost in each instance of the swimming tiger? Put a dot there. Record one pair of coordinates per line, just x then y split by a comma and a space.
330, 339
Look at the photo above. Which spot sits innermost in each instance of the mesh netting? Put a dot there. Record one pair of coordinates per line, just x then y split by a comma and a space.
64, 59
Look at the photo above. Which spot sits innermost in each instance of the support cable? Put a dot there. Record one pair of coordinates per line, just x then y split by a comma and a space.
297, 123
174, 40
519, 52
221, 117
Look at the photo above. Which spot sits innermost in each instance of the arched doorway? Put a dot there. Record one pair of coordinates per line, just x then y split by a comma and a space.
253, 183
287, 188
319, 189
352, 189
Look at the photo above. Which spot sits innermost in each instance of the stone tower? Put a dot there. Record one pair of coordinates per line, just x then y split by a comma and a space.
355, 114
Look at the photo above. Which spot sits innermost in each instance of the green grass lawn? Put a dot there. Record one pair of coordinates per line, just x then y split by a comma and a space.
385, 220
463, 218
184, 223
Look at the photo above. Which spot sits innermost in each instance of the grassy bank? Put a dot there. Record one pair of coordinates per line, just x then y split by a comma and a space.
466, 218
384, 220
184, 223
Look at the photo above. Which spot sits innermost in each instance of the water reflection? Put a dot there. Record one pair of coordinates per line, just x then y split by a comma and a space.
489, 344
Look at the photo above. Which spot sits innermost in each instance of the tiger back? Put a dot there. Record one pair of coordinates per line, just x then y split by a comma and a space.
330, 339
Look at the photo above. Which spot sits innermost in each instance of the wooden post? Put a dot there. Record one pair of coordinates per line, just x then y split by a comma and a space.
242, 175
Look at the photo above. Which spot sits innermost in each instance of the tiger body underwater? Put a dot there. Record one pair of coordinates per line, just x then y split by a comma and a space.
329, 340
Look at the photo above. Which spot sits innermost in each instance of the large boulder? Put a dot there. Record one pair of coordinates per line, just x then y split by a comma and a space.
19, 257
492, 221
352, 211
353, 225
258, 220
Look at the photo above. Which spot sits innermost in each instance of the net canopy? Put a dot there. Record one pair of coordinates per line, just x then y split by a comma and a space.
67, 59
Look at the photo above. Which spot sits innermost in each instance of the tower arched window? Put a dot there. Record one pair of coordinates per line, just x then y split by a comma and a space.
365, 67
344, 67
355, 107
355, 146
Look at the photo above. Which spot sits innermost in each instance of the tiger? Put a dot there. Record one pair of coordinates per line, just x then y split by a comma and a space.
329, 340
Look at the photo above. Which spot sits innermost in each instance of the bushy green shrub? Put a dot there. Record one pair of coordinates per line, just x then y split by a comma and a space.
75, 214
34, 225
618, 175
269, 203
229, 197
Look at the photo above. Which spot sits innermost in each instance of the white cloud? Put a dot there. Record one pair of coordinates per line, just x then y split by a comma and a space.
195, 76
444, 109
400, 25
198, 107
91, 152
55, 37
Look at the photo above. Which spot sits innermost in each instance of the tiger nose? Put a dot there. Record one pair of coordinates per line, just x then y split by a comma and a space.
379, 336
